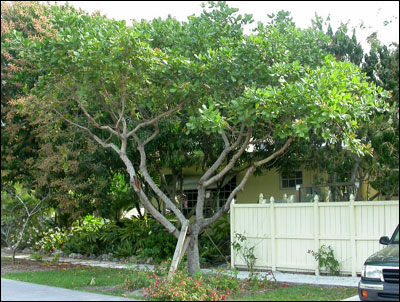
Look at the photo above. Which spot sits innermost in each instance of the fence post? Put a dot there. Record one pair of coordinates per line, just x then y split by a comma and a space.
316, 230
352, 236
233, 228
272, 219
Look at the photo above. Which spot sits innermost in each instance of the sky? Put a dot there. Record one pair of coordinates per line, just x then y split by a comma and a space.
371, 14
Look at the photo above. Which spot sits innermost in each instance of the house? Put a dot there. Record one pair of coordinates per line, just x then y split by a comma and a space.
301, 184
297, 186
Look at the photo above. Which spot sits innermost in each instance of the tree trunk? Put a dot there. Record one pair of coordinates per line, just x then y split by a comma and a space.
13, 256
193, 259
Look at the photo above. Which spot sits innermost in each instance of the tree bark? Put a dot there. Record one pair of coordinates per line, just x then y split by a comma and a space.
193, 258
13, 256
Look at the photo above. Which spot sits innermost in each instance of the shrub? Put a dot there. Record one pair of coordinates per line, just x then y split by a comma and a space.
124, 249
84, 237
143, 237
326, 259
221, 282
36, 256
245, 252
182, 287
255, 282
138, 279
51, 239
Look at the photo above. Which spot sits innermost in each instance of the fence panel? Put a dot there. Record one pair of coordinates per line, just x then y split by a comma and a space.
284, 233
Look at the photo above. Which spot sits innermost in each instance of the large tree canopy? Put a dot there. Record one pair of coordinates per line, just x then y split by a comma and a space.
381, 66
38, 150
120, 84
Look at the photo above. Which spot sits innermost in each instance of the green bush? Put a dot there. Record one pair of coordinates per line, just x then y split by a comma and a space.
182, 287
84, 236
51, 239
138, 279
143, 237
221, 281
124, 249
326, 259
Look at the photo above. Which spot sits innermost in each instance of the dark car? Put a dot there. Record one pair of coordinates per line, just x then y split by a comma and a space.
380, 273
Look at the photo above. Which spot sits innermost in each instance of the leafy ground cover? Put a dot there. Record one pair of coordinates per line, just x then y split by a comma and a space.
127, 282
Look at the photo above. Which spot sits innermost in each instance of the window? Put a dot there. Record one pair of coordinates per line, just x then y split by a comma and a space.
212, 204
291, 179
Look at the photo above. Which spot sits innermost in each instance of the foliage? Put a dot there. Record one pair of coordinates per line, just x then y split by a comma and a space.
221, 281
18, 206
215, 245
36, 150
19, 144
326, 259
182, 287
142, 237
256, 282
36, 256
138, 279
84, 236
381, 66
51, 239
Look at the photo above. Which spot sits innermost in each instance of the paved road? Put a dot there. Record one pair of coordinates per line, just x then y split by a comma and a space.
22, 291
354, 298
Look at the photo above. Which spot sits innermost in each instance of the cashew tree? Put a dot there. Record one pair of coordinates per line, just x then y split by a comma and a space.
119, 84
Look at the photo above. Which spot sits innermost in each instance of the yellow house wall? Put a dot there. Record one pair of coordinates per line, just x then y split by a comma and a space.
269, 185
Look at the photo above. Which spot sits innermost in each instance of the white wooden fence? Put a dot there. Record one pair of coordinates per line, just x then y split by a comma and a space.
283, 233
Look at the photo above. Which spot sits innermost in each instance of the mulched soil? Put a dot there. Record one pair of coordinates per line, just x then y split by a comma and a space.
25, 265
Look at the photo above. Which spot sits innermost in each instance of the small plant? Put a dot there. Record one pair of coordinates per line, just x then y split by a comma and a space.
255, 282
55, 258
326, 259
245, 252
36, 256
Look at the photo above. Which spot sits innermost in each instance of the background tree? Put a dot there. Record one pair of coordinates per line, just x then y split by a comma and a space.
274, 87
380, 168
17, 209
37, 150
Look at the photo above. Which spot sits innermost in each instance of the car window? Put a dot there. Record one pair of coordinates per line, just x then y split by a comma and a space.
395, 239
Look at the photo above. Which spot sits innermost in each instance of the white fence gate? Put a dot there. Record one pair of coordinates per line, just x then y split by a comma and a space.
283, 233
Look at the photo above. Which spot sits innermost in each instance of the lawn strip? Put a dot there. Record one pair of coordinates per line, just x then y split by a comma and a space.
110, 281
301, 293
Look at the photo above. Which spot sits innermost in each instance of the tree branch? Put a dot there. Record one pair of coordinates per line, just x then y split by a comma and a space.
95, 137
156, 119
209, 221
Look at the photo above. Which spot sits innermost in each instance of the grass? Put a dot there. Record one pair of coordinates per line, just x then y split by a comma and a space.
111, 282
303, 293
106, 281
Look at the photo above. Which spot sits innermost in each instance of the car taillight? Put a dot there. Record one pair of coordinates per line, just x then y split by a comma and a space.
364, 293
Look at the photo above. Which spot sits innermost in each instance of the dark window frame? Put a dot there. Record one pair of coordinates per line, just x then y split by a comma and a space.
290, 179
